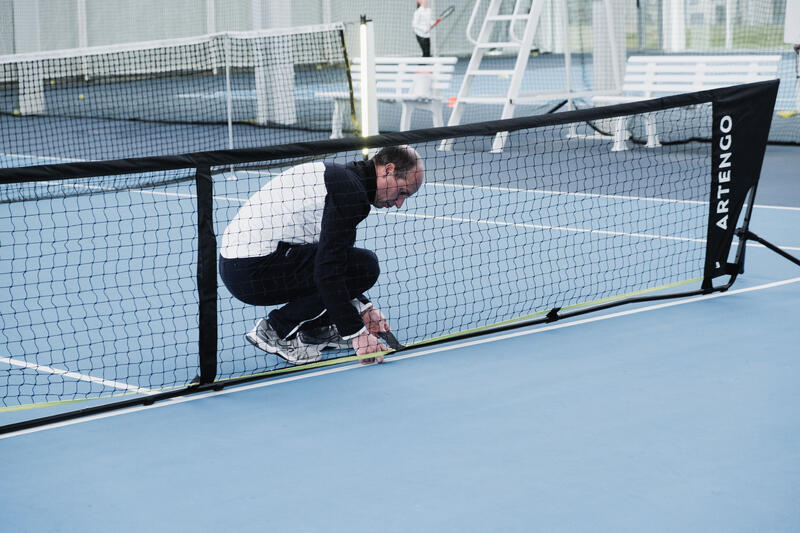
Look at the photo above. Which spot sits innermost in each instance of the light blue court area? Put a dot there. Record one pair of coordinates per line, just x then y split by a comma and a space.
677, 418
677, 415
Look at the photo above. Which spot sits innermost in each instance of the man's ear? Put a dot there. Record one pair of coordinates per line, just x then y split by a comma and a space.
389, 168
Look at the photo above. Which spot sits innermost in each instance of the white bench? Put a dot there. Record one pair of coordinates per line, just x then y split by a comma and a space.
655, 76
413, 82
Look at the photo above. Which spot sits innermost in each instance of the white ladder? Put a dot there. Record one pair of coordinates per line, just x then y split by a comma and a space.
512, 96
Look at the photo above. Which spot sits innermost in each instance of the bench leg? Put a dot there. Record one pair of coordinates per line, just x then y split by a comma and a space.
620, 135
436, 111
433, 107
650, 129
405, 117
797, 90
336, 121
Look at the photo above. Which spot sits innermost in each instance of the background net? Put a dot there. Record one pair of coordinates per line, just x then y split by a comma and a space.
230, 90
642, 27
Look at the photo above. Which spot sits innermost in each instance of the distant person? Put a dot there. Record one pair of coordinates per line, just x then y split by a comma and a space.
292, 243
423, 21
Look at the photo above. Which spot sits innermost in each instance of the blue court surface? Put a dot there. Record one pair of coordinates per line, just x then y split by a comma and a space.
679, 415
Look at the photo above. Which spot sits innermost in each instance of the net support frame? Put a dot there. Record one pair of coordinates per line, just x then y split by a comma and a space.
206, 276
741, 122
741, 118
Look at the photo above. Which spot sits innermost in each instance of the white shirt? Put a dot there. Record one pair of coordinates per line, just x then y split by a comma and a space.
423, 20
288, 208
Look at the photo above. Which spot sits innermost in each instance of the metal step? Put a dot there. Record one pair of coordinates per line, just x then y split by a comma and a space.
497, 45
482, 100
509, 17
486, 72
543, 96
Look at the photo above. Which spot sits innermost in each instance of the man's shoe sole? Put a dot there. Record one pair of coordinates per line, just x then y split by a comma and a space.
260, 344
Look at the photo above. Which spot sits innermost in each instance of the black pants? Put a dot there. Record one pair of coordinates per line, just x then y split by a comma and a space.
286, 276
425, 44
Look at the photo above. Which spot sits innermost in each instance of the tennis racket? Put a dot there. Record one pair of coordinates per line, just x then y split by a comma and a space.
446, 13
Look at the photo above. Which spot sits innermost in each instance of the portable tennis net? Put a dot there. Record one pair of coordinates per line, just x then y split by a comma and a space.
213, 92
113, 292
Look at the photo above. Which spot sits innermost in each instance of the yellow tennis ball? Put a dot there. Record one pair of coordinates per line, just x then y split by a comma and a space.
52, 82
16, 112
80, 96
319, 67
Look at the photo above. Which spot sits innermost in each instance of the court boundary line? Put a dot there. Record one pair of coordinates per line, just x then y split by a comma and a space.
45, 158
497, 222
74, 375
546, 192
567, 229
517, 224
451, 185
416, 353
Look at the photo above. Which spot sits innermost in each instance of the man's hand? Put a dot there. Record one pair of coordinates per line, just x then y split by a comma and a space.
366, 344
375, 321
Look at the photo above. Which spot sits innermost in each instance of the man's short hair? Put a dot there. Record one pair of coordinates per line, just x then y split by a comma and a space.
404, 158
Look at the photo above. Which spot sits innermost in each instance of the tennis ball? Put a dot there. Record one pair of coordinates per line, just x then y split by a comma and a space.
319, 67
52, 82
16, 112
80, 96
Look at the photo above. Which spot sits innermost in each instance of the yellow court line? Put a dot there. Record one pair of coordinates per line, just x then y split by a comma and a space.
351, 358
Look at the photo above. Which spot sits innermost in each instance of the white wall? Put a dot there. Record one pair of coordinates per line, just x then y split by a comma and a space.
35, 25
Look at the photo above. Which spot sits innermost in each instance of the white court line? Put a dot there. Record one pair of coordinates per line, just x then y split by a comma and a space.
594, 195
541, 226
776, 207
335, 370
569, 229
46, 158
433, 184
784, 248
470, 220
148, 192
555, 193
74, 375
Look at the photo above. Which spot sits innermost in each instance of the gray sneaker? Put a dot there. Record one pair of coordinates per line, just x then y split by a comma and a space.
325, 337
264, 337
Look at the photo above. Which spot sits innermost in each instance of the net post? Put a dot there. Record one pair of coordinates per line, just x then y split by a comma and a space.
206, 276
741, 118
742, 232
348, 64
226, 50
369, 99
